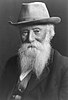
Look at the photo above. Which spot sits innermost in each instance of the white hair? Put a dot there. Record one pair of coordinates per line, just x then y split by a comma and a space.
50, 32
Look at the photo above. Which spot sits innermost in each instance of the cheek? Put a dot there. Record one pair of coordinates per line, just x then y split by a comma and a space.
41, 38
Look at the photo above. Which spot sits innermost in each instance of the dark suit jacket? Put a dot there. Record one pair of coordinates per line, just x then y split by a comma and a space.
52, 85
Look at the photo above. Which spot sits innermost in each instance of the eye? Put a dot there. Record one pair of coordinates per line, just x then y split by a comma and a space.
25, 33
36, 31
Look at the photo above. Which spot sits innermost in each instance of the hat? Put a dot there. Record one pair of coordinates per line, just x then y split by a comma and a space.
35, 13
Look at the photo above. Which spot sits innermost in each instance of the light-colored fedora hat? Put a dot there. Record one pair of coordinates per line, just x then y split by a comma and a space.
35, 13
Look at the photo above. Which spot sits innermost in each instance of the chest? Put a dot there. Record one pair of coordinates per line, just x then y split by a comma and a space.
40, 91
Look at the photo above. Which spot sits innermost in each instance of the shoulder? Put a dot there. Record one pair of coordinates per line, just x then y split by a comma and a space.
10, 70
62, 73
60, 65
10, 66
60, 60
9, 76
12, 60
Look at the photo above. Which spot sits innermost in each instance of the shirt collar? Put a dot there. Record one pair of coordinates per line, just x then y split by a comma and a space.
23, 75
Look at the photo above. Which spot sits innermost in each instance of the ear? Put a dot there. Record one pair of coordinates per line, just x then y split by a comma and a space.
51, 31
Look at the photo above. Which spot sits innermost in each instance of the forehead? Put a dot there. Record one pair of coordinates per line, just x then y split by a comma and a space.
41, 27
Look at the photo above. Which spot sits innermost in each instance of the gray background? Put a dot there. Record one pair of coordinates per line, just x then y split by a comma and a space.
9, 35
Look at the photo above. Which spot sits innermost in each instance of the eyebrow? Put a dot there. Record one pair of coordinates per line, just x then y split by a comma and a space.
36, 28
24, 30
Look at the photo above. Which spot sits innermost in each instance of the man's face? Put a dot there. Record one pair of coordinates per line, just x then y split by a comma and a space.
31, 34
35, 48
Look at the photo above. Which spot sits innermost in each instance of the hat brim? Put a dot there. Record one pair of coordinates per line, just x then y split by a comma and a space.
53, 20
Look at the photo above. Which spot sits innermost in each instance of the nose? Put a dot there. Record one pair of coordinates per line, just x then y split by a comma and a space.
31, 36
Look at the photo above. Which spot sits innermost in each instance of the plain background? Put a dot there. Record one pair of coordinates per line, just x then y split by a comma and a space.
9, 35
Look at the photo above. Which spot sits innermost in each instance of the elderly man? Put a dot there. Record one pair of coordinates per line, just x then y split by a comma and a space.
37, 72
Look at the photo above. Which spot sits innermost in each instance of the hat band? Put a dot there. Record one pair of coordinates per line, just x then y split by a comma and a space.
31, 19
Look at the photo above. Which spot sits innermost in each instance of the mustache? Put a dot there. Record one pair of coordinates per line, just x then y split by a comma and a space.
25, 47
32, 46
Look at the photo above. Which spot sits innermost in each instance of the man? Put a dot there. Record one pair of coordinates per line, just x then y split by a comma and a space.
37, 72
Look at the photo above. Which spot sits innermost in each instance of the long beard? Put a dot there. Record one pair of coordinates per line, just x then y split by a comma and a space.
34, 57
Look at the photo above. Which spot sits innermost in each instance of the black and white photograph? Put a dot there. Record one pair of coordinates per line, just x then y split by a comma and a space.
33, 50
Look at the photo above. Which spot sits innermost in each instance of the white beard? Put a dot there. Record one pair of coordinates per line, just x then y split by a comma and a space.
34, 58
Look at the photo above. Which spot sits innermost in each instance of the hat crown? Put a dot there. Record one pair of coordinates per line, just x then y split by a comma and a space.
33, 11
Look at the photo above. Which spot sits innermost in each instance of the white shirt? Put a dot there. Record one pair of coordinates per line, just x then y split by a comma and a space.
24, 78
